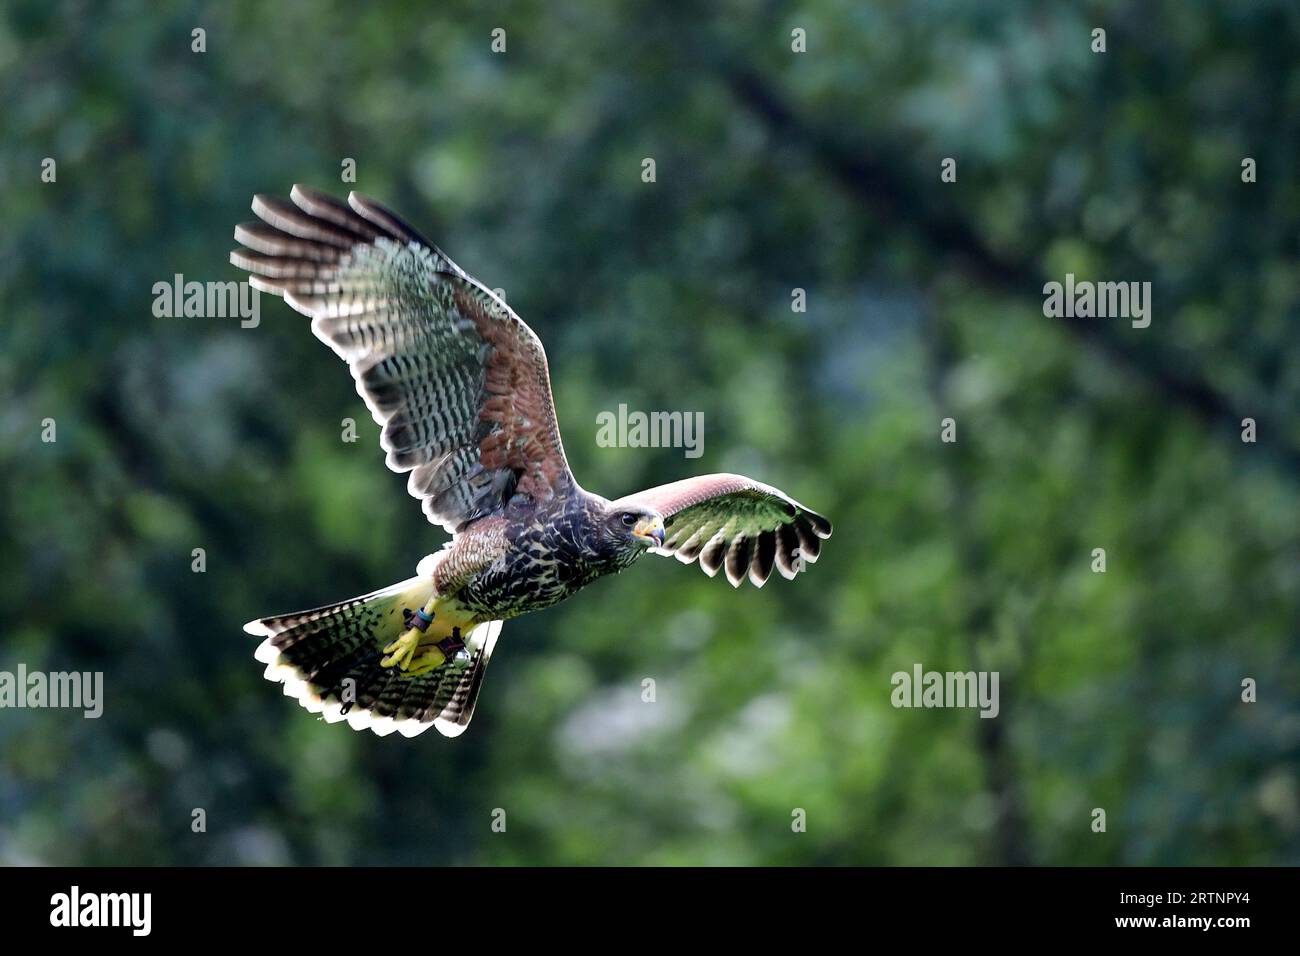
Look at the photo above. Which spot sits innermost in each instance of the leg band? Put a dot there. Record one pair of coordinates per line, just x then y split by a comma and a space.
451, 646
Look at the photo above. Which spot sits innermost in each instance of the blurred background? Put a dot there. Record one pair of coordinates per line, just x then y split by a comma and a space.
775, 171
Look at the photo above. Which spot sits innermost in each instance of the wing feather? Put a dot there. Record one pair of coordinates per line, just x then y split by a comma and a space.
760, 568
457, 382
735, 523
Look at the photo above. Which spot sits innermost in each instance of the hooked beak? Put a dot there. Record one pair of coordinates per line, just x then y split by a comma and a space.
650, 531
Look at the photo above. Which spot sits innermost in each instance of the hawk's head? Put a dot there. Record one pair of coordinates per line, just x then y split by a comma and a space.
629, 530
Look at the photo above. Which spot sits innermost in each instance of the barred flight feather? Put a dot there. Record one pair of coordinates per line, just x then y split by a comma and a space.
456, 381
735, 523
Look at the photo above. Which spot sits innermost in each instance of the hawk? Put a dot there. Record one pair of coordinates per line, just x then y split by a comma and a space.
460, 387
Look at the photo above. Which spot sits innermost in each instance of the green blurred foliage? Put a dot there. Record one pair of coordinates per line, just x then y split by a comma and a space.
1119, 690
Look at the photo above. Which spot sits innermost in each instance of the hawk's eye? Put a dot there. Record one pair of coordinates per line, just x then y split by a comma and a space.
629, 519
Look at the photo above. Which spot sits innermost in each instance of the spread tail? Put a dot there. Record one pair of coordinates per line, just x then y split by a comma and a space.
329, 659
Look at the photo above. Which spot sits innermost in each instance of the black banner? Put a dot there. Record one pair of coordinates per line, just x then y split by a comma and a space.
353, 904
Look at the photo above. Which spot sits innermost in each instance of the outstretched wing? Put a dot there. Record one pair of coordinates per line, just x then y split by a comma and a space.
737, 523
457, 381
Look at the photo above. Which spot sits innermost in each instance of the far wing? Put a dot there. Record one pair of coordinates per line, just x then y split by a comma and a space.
736, 523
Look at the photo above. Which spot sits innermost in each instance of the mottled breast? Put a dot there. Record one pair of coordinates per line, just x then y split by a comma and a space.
549, 554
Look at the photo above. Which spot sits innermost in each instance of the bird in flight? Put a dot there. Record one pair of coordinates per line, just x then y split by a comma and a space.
460, 388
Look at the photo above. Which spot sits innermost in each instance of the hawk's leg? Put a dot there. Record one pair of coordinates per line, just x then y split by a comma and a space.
434, 655
402, 652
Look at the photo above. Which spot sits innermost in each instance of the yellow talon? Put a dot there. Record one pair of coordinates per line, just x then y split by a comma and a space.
406, 653
417, 650
429, 660
402, 651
